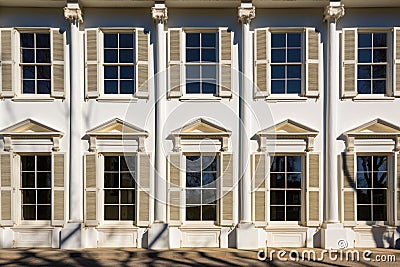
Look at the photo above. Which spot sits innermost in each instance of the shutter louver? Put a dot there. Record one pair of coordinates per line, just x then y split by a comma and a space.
174, 189
261, 63
396, 62
91, 212
58, 84
92, 62
174, 63
227, 197
58, 176
349, 63
6, 61
312, 63
6, 192
259, 172
143, 180
225, 62
347, 163
142, 66
313, 189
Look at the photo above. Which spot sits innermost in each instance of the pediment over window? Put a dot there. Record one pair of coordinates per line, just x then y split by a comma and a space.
376, 129
288, 129
27, 130
117, 129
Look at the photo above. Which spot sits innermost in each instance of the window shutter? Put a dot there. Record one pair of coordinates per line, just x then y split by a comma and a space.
396, 62
6, 60
58, 194
6, 192
312, 63
259, 173
58, 83
225, 62
174, 62
397, 191
227, 193
349, 63
92, 63
313, 213
347, 166
261, 63
143, 179
91, 207
142, 66
175, 205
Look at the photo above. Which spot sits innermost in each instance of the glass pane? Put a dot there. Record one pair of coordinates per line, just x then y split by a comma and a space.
380, 55
43, 72
277, 180
277, 213
44, 196
127, 213
294, 71
379, 87
364, 40
43, 87
209, 163
44, 179
111, 196
380, 40
208, 72
127, 197
110, 72
110, 40
126, 87
363, 87
278, 164
294, 55
277, 72
364, 72
28, 72
193, 163
380, 163
110, 56
28, 212
28, 163
127, 180
126, 56
294, 180
278, 40
209, 213
364, 213
28, 56
130, 162
111, 180
294, 87
209, 179
364, 180
192, 39
293, 213
278, 55
43, 56
379, 71
193, 197
365, 56
27, 40
28, 87
126, 40
192, 87
126, 72
44, 212
111, 163
193, 55
208, 40
293, 163
192, 179
111, 212
193, 72
209, 87
209, 196
380, 179
294, 39
28, 180
42, 40
293, 197
379, 212
364, 163
277, 87
379, 196
363, 196
193, 213
43, 163
209, 55
277, 197
28, 196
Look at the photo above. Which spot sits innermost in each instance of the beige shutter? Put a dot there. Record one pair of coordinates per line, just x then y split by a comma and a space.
227, 199
261, 63
143, 196
312, 63
347, 165
225, 62
58, 183
58, 84
6, 61
314, 208
175, 208
397, 191
174, 63
349, 63
92, 62
6, 192
259, 168
91, 194
142, 65
396, 62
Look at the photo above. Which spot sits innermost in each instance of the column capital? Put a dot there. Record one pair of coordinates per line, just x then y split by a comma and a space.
73, 12
246, 13
334, 11
159, 14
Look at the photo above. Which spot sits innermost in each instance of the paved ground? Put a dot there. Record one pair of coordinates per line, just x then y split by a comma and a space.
179, 257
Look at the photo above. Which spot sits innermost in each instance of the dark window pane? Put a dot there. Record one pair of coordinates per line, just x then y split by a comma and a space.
193, 213
111, 56
278, 40
278, 55
209, 179
28, 180
209, 196
380, 55
364, 213
28, 56
28, 87
111, 87
111, 212
192, 39
209, 213
126, 56
364, 180
379, 196
111, 196
111, 163
209, 72
379, 71
277, 197
27, 40
43, 163
294, 71
277, 87
127, 197
28, 72
294, 55
380, 179
43, 87
193, 163
43, 179
129, 162
277, 180
294, 39
110, 72
364, 40
379, 87
193, 179
363, 196
278, 164
365, 56
294, 180
193, 72
126, 40
127, 180
209, 163
208, 40
277, 72
44, 212
28, 196
126, 87
277, 213
363, 87
111, 180
110, 40
29, 212
364, 72
43, 56
44, 196
42, 40
380, 163
364, 163
209, 87
293, 197
127, 213
192, 87
193, 197
192, 55
294, 86
292, 213
379, 212
293, 163
126, 72
43, 72
208, 55
28, 163
380, 40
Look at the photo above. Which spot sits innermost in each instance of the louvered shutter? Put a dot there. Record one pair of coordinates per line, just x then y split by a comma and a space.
397, 191
58, 183
92, 62
225, 62
227, 200
347, 166
396, 62
313, 213
312, 63
6, 81
349, 63
142, 64
91, 194
261, 63
6, 192
259, 167
174, 63
175, 205
58, 83
143, 198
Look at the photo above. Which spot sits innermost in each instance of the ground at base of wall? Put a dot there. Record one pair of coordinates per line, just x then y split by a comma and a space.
193, 257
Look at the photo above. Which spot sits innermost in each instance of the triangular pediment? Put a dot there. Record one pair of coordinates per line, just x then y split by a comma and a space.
30, 127
289, 127
202, 127
116, 127
377, 126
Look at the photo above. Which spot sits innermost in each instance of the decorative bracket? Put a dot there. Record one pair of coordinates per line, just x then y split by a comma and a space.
73, 12
159, 14
397, 143
349, 141
246, 13
335, 11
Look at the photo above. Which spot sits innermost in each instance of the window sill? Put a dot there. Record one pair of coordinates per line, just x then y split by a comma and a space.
200, 98
199, 225
32, 99
367, 98
285, 227
371, 224
33, 224
107, 99
285, 98
116, 225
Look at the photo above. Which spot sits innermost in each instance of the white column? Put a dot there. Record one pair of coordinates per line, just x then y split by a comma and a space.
73, 13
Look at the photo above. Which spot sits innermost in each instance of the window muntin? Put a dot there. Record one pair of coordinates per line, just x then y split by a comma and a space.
36, 187
201, 63
119, 188
372, 185
201, 188
286, 63
119, 63
35, 63
286, 188
372, 63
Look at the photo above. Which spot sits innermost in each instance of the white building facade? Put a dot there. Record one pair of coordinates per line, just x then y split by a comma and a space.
169, 124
